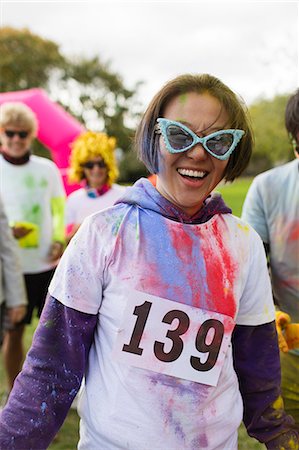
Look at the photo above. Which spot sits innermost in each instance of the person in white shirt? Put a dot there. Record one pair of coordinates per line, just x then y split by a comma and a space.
271, 207
33, 197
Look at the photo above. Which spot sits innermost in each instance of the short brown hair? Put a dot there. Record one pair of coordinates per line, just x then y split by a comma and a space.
19, 115
147, 141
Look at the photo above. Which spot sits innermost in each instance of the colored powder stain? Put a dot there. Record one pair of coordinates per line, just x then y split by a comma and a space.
174, 424
202, 441
33, 214
53, 393
49, 323
43, 183
182, 388
43, 407
36, 210
160, 263
182, 99
243, 227
73, 392
116, 225
182, 243
186, 245
294, 235
221, 272
278, 404
292, 444
29, 182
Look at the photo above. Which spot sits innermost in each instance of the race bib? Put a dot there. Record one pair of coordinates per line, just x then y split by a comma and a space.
172, 338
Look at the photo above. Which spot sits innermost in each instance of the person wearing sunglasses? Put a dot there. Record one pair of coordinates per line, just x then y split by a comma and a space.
33, 198
272, 208
93, 164
162, 302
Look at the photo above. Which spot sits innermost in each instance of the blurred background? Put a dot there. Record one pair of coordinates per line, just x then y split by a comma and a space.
104, 61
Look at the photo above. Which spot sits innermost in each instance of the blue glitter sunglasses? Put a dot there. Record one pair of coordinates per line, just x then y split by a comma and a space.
179, 138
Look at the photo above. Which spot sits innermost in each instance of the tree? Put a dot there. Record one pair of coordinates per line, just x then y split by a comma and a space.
272, 146
26, 60
86, 87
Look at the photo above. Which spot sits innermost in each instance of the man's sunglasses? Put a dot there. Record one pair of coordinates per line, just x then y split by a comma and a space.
12, 133
179, 138
91, 164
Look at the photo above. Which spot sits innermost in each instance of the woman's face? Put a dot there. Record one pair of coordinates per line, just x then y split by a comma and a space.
204, 115
96, 172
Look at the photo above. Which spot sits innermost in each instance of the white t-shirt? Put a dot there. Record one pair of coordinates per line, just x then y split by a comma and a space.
271, 207
27, 191
126, 253
79, 205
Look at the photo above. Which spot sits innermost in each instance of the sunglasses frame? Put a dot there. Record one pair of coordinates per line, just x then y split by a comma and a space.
100, 164
11, 133
164, 123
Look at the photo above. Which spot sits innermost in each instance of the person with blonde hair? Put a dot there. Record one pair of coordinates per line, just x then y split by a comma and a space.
93, 164
33, 197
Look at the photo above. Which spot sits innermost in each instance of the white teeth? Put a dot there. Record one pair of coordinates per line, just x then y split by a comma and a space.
192, 173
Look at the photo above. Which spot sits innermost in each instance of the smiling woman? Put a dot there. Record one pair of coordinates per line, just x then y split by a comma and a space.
162, 302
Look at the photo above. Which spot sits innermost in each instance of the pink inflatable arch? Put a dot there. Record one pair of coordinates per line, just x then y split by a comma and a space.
56, 128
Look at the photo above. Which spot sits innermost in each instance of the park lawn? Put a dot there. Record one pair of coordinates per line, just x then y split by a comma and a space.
67, 437
234, 193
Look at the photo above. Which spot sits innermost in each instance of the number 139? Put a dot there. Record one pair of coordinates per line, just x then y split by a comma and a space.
211, 348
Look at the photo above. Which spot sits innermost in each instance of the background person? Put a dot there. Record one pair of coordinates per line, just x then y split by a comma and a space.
33, 198
13, 298
161, 301
93, 163
272, 208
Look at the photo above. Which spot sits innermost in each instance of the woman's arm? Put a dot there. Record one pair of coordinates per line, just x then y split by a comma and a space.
256, 361
51, 377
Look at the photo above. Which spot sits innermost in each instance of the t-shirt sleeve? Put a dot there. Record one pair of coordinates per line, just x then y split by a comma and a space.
78, 279
256, 303
254, 210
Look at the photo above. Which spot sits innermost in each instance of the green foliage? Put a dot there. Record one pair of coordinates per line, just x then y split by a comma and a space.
101, 100
131, 168
85, 87
272, 146
26, 59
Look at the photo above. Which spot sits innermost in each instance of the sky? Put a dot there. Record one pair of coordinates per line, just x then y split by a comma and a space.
251, 46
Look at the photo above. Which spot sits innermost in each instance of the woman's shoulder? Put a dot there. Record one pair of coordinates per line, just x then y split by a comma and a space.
240, 228
118, 188
41, 161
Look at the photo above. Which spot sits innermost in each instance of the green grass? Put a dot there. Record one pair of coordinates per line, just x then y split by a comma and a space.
234, 194
67, 437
